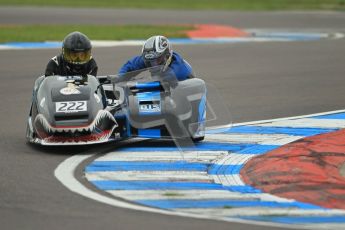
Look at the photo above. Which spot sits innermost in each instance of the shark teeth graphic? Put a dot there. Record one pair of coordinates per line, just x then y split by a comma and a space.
92, 133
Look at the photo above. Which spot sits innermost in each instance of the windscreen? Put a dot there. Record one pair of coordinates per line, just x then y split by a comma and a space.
188, 109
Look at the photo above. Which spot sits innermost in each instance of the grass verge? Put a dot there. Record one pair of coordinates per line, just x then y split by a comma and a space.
191, 4
39, 33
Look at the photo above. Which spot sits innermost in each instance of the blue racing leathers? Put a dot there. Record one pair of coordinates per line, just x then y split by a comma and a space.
181, 68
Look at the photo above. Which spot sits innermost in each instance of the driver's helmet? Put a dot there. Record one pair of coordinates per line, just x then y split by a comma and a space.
157, 51
76, 51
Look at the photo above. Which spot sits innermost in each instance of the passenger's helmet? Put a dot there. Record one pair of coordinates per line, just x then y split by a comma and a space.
76, 51
157, 52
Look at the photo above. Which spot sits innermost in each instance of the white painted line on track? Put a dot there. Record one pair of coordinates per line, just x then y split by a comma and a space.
265, 211
228, 180
338, 36
216, 129
190, 194
190, 156
327, 226
232, 159
287, 118
310, 123
100, 43
5, 47
235, 159
266, 139
149, 176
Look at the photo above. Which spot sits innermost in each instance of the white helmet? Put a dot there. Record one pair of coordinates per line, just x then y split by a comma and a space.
157, 51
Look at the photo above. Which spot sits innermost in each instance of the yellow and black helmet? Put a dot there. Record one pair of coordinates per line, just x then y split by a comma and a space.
76, 48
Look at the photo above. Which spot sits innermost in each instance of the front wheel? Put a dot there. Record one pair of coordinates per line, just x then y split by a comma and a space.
30, 136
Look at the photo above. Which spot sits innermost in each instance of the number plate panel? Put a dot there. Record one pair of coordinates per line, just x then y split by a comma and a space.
150, 107
71, 106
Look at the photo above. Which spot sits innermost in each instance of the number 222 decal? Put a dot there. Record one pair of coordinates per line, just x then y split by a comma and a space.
71, 106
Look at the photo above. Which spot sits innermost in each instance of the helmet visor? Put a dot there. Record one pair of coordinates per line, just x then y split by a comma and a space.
156, 61
76, 57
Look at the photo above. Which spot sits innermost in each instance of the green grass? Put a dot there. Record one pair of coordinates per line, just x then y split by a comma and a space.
36, 33
191, 4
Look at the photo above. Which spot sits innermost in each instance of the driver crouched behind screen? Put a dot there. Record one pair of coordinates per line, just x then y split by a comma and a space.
157, 51
75, 58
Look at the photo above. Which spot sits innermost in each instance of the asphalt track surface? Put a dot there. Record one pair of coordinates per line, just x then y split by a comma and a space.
257, 80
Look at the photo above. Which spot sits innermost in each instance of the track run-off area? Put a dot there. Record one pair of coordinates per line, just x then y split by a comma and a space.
206, 180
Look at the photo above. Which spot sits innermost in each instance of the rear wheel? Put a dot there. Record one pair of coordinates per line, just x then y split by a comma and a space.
194, 124
198, 139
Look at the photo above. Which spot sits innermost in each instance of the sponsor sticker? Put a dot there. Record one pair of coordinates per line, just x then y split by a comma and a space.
70, 89
150, 106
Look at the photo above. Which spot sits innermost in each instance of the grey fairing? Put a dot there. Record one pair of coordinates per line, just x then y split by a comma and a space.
176, 105
49, 88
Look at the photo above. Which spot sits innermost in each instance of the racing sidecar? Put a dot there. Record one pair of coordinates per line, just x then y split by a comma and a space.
69, 110
74, 110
